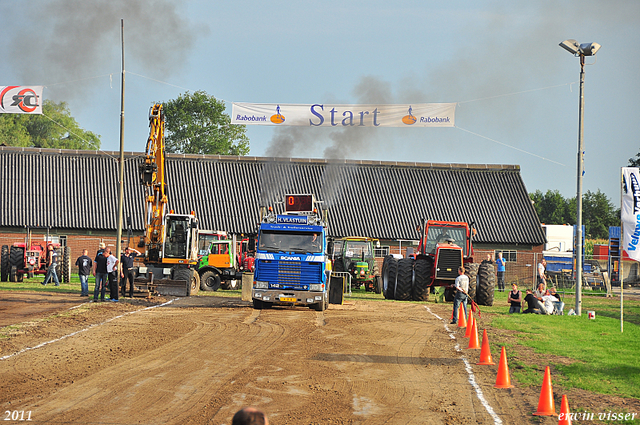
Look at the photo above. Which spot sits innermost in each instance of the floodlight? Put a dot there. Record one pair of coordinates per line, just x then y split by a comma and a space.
571, 46
589, 49
580, 50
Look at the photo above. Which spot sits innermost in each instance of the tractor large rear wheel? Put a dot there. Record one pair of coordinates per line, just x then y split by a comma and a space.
486, 283
422, 279
389, 276
210, 281
471, 270
16, 263
338, 265
405, 279
66, 265
4, 263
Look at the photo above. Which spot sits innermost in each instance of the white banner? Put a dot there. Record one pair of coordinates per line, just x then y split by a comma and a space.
630, 213
332, 115
21, 99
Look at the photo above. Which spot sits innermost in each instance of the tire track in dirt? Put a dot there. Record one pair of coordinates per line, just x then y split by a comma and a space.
168, 380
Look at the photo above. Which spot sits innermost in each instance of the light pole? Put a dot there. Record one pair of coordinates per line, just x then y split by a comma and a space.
581, 50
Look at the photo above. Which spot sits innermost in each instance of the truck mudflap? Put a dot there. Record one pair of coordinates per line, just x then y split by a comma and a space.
287, 297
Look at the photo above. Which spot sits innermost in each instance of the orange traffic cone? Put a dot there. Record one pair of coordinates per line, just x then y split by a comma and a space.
503, 380
470, 321
462, 322
485, 353
565, 415
473, 338
546, 405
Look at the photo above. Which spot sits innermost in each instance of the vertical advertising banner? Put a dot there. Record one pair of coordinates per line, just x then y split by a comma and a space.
630, 213
21, 99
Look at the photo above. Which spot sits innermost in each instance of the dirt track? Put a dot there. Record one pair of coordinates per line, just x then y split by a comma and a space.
198, 360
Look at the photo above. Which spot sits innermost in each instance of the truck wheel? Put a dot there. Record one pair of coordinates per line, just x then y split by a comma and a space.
377, 284
258, 304
30, 272
486, 283
60, 266
322, 305
188, 275
210, 281
66, 265
389, 277
471, 270
422, 280
405, 279
4, 263
195, 282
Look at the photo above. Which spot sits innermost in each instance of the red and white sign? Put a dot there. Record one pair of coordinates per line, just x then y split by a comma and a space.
21, 99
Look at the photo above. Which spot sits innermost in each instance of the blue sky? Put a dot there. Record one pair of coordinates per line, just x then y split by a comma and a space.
517, 90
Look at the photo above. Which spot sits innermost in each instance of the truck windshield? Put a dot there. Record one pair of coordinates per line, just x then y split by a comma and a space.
299, 242
440, 234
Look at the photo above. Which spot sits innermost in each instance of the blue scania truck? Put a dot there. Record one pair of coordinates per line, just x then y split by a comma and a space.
291, 265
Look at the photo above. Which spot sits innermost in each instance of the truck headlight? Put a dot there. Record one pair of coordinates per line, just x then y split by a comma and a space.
316, 287
258, 284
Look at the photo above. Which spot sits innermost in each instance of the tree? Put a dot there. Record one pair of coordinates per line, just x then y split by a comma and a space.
55, 128
197, 124
635, 162
551, 207
598, 213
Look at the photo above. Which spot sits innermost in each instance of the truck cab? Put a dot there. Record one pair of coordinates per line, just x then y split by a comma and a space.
291, 267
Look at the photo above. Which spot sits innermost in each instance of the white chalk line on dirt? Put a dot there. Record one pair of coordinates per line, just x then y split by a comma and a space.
472, 378
24, 350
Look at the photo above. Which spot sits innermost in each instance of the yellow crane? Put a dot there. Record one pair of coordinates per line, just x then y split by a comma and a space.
170, 240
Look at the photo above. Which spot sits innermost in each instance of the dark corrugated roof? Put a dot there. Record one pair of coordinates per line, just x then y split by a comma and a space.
78, 190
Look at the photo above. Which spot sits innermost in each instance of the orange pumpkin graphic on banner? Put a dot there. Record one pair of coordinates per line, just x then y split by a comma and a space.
409, 119
277, 118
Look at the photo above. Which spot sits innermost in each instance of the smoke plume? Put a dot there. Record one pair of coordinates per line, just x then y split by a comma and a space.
77, 41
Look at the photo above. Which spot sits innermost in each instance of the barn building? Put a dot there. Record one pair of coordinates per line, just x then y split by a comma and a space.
72, 196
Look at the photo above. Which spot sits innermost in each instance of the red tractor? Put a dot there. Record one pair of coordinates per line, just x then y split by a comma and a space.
444, 246
31, 259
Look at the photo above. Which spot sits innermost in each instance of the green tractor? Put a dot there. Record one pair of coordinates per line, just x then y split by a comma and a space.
355, 255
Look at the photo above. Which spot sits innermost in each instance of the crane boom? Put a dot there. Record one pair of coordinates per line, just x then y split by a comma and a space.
170, 240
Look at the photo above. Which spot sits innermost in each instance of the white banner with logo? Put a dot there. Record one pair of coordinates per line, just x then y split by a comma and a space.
21, 99
630, 213
333, 115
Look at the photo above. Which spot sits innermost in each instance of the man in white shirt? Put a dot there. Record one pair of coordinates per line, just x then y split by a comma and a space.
112, 271
462, 287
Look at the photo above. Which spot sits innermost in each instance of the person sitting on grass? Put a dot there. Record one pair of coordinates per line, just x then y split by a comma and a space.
515, 299
557, 302
533, 305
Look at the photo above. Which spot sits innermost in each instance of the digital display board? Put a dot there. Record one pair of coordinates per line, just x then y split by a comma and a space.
298, 203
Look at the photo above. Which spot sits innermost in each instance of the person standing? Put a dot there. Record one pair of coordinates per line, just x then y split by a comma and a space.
542, 268
462, 287
100, 272
126, 270
84, 270
501, 263
112, 271
515, 299
53, 263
